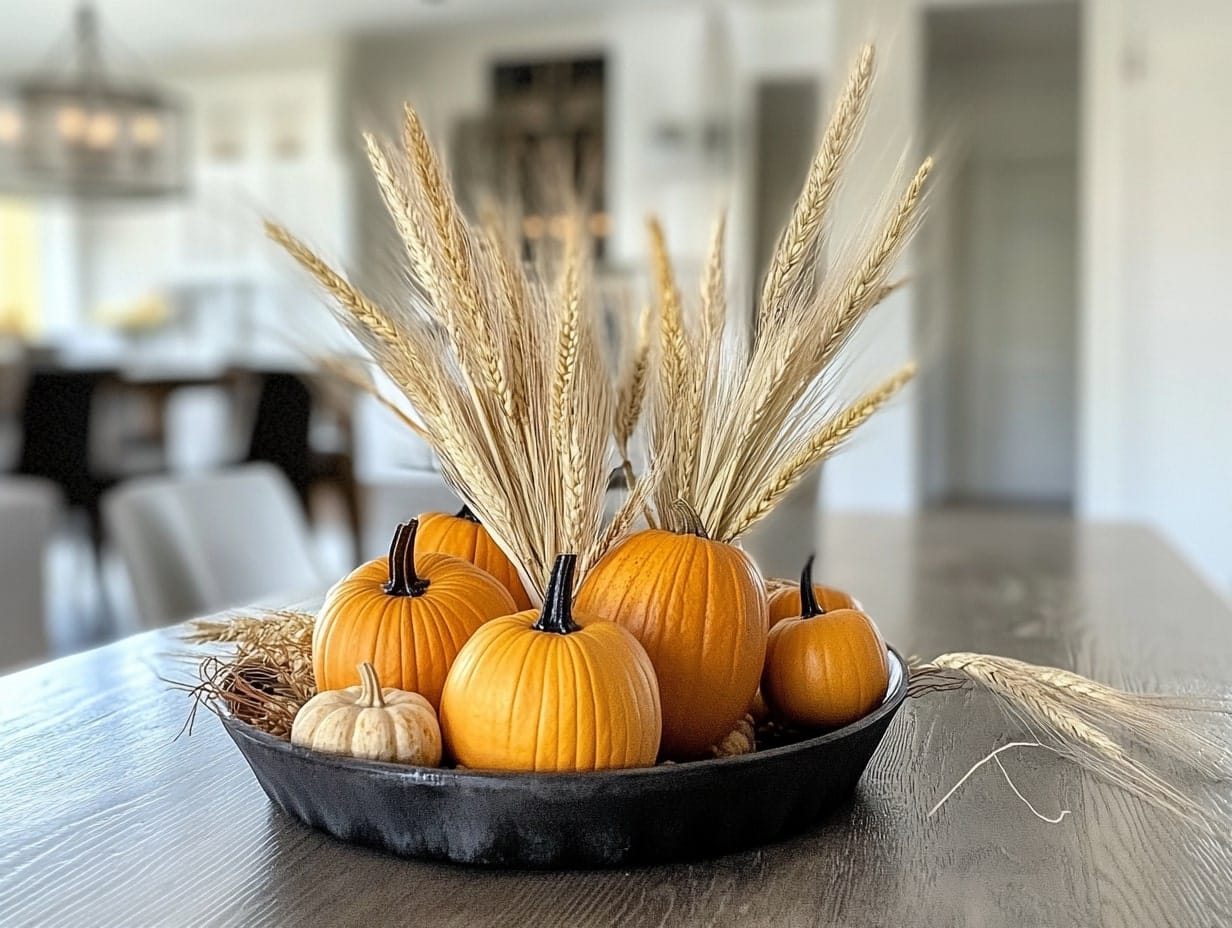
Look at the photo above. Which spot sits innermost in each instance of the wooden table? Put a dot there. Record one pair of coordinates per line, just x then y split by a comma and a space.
107, 819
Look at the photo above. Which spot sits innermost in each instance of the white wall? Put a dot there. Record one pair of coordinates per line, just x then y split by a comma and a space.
654, 76
671, 65
999, 108
1157, 425
1155, 434
207, 249
880, 469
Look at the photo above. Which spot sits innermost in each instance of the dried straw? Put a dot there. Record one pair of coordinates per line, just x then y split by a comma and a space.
267, 678
1092, 724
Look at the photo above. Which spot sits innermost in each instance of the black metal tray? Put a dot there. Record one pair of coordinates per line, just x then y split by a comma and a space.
605, 819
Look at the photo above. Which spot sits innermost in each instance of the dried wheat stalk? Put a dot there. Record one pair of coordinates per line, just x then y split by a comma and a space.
1090, 723
801, 239
736, 419
500, 362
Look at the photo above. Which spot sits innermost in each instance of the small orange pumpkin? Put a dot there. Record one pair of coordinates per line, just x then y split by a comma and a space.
548, 690
785, 601
699, 609
464, 536
824, 669
408, 616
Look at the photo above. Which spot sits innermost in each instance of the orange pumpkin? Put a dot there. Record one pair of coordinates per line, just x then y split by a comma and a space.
824, 668
408, 616
548, 690
785, 601
464, 536
699, 609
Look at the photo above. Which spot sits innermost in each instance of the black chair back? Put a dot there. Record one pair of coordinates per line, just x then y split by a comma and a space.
55, 426
280, 429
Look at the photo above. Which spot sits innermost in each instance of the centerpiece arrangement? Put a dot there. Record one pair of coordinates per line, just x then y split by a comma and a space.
527, 682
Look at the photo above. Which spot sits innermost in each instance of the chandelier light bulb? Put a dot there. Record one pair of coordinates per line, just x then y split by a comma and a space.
103, 130
146, 130
10, 125
71, 123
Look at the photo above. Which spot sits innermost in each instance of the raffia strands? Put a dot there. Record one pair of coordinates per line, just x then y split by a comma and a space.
819, 446
798, 245
268, 676
739, 413
1092, 724
500, 362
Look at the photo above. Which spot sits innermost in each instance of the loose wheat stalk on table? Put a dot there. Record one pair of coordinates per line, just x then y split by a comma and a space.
1093, 724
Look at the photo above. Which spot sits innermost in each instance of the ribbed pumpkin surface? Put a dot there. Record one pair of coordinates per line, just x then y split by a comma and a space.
410, 640
520, 699
467, 538
698, 607
827, 670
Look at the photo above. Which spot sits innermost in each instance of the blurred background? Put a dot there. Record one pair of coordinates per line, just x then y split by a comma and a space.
166, 449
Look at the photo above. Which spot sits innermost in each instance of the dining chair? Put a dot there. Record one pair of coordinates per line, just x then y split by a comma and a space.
288, 408
29, 511
199, 544
56, 430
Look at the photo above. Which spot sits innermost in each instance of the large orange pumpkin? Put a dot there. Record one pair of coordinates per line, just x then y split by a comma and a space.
824, 668
407, 615
464, 536
699, 609
552, 690
785, 601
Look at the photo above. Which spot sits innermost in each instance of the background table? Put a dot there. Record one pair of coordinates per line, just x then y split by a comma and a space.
107, 819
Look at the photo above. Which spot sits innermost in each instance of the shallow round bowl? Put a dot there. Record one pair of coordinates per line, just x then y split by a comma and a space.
566, 820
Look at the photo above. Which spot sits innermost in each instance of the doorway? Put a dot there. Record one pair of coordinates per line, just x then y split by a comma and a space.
999, 401
785, 135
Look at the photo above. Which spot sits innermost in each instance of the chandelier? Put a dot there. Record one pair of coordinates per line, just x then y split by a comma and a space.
78, 129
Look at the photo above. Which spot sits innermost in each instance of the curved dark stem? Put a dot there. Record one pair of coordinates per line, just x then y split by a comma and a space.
465, 513
557, 614
809, 606
403, 581
687, 520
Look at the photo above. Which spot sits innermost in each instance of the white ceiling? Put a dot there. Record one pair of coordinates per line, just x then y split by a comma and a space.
156, 29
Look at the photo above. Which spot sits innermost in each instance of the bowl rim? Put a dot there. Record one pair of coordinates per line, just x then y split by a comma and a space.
893, 699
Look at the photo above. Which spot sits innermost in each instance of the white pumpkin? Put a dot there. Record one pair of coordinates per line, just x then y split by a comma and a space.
368, 722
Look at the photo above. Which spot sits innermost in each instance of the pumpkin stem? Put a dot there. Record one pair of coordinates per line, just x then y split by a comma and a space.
403, 581
809, 607
465, 513
370, 696
557, 613
686, 520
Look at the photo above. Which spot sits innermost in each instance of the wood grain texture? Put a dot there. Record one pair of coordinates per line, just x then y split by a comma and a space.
106, 819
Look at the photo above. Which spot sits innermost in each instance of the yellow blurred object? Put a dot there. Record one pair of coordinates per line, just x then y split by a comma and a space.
19, 268
151, 311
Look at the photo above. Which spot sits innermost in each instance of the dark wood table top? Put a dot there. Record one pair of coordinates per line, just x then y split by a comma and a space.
106, 819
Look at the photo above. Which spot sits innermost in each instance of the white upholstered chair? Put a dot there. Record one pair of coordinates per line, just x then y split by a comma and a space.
195, 545
29, 510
